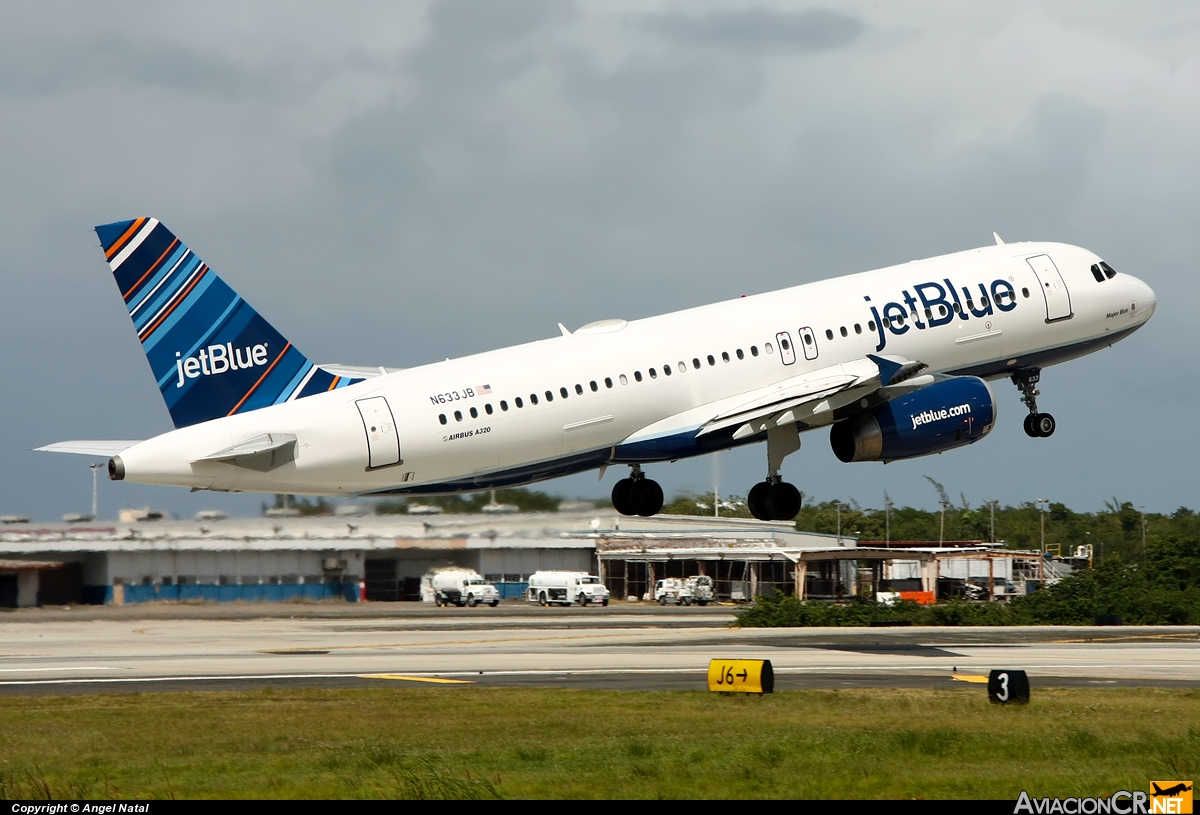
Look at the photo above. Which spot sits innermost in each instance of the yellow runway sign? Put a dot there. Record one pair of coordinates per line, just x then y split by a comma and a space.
741, 676
435, 679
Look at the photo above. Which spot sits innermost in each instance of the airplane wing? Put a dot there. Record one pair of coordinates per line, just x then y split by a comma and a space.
89, 447
810, 395
357, 371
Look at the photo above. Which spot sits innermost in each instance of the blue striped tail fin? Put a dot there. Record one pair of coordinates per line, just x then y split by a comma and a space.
211, 353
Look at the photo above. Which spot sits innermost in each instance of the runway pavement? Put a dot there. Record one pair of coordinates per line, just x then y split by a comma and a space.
627, 647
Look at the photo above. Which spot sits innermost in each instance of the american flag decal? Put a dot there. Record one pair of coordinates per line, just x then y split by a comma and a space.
483, 389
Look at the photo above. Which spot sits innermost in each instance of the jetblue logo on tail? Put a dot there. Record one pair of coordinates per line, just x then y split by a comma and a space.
217, 359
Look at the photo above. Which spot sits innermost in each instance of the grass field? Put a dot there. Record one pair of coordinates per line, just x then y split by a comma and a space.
464, 742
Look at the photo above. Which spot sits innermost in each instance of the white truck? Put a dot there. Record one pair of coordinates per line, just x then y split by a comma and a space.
684, 591
459, 587
564, 588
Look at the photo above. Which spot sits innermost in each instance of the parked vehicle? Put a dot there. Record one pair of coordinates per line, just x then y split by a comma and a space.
564, 588
684, 591
459, 587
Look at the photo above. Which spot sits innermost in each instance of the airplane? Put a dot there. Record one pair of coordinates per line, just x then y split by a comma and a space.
895, 362
1170, 792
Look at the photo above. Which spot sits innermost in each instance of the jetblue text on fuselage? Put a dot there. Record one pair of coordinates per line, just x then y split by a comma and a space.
217, 359
938, 304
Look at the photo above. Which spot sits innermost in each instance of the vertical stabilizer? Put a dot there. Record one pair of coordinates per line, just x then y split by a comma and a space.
211, 353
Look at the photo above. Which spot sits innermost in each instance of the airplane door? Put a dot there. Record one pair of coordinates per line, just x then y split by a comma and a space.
383, 441
1054, 290
786, 352
809, 340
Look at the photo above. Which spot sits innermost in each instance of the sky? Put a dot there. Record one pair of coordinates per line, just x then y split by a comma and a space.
397, 183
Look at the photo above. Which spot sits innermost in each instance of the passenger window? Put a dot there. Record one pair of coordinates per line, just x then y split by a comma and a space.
624, 379
653, 374
843, 330
637, 375
683, 367
928, 314
503, 405
667, 370
983, 301
958, 308
696, 362
725, 356
458, 415
533, 398
519, 403
711, 361
442, 418
474, 413
770, 349
549, 396
942, 312
488, 408
740, 355
578, 389
753, 350
607, 382
900, 321
1025, 293
563, 392
857, 328
828, 333
870, 325
593, 386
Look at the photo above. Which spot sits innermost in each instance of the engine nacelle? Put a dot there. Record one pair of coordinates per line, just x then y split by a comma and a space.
946, 414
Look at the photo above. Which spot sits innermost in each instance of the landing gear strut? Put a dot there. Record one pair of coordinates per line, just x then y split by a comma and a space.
637, 495
776, 499
1036, 424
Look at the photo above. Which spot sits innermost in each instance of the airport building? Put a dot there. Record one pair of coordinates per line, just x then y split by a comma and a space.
383, 557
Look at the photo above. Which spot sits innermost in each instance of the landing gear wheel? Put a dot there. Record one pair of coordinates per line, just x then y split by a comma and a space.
756, 501
1029, 428
622, 496
782, 501
647, 497
1044, 424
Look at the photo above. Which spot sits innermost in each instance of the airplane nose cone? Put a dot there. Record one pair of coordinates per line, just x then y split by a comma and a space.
1143, 298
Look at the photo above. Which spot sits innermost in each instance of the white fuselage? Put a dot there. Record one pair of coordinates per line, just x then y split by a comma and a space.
616, 411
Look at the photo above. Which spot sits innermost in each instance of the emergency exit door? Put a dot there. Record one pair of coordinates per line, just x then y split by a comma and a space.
383, 441
1054, 290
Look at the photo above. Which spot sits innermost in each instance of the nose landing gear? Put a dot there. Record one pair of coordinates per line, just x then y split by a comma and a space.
637, 495
1037, 425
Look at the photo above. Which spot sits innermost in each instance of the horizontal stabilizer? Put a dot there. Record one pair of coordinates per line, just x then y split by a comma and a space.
357, 371
264, 443
90, 447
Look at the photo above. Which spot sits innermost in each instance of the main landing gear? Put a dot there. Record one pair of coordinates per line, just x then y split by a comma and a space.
1037, 425
776, 499
637, 495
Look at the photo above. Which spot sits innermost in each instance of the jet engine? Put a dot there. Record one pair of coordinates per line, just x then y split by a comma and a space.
945, 414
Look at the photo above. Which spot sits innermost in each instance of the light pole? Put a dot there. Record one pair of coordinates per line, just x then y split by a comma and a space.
95, 470
992, 507
838, 505
1042, 509
1142, 510
942, 525
887, 520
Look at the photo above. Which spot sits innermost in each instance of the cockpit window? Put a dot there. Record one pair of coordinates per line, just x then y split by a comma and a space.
1096, 273
1109, 271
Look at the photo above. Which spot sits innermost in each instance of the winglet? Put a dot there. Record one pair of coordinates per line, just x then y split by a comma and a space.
893, 372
